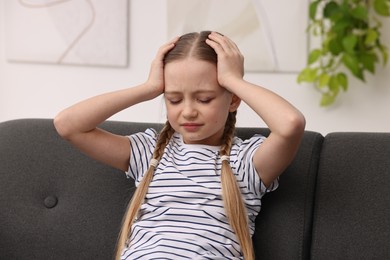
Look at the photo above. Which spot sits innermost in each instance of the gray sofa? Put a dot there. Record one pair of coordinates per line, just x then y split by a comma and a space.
333, 201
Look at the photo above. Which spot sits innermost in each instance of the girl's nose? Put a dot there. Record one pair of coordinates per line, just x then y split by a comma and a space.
189, 111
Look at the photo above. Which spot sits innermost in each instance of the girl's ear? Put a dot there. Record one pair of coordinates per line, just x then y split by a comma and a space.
235, 103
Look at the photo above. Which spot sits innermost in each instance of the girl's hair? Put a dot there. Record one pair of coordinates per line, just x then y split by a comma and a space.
194, 45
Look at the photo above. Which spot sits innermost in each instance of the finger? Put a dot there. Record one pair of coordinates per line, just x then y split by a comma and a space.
223, 40
215, 41
220, 43
215, 45
164, 49
174, 40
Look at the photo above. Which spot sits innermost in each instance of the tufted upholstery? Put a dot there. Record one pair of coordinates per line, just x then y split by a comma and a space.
352, 212
56, 203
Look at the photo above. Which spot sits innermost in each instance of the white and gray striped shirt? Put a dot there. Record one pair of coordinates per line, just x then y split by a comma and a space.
183, 216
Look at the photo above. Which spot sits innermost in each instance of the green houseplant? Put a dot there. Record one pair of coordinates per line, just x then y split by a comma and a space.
349, 39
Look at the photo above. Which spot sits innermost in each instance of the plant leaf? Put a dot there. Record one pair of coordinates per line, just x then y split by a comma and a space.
368, 61
323, 80
314, 55
330, 9
343, 80
313, 9
371, 37
352, 63
360, 12
327, 99
382, 7
349, 43
334, 84
385, 54
307, 75
335, 46
342, 24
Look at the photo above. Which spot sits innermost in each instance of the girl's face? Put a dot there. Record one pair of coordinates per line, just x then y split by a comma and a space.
197, 106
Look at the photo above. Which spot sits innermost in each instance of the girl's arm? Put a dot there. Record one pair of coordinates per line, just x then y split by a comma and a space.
78, 123
285, 121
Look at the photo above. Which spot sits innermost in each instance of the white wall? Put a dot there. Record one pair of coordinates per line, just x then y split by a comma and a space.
40, 91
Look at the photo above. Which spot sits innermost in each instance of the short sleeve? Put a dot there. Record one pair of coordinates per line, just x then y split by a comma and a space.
141, 150
244, 166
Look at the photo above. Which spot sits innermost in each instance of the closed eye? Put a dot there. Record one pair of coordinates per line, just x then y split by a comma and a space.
174, 101
204, 100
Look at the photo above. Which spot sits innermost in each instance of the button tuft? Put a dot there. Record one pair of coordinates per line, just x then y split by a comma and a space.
50, 202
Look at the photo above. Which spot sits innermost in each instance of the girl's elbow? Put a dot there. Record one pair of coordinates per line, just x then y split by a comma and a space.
300, 122
296, 126
61, 126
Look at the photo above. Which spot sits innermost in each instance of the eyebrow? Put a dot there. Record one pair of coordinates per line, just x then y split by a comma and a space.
195, 92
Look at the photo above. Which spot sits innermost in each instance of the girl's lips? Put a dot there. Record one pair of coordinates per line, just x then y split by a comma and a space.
191, 127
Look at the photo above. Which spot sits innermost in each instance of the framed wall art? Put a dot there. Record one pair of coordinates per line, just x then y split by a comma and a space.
93, 33
271, 34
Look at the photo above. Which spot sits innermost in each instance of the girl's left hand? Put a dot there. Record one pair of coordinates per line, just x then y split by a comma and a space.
230, 60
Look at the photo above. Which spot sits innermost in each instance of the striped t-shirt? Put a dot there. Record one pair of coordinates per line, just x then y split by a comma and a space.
183, 216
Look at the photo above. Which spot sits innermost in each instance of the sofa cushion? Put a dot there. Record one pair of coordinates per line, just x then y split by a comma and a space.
284, 225
352, 213
55, 202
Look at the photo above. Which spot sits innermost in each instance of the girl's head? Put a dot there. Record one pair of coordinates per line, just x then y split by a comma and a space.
192, 45
203, 112
197, 106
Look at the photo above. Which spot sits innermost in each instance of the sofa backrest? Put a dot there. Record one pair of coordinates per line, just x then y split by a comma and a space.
57, 203
352, 212
284, 225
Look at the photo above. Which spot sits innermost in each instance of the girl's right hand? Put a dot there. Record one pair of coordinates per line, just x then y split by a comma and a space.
156, 75
79, 123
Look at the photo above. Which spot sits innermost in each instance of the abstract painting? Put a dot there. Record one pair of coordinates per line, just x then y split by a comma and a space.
82, 32
271, 34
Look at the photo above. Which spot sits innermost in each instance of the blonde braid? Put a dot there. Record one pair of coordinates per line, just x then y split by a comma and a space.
140, 193
233, 202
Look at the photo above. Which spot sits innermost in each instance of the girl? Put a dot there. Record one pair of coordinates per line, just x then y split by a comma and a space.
198, 187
